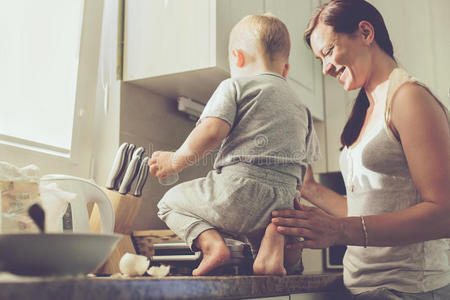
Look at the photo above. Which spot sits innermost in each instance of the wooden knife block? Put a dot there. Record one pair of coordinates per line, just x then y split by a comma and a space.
126, 208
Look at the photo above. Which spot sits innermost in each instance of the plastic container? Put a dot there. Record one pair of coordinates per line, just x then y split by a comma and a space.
169, 179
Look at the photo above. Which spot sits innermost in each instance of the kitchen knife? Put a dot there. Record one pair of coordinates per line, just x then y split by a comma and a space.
140, 152
131, 148
141, 177
129, 155
118, 166
129, 175
131, 171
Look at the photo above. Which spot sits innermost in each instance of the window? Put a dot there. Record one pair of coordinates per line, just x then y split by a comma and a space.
50, 57
41, 44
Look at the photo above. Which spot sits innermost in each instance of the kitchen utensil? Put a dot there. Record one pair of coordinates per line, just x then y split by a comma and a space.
183, 260
126, 207
169, 179
131, 172
36, 213
118, 167
130, 152
141, 177
174, 251
53, 254
129, 175
180, 251
86, 191
145, 239
139, 152
56, 204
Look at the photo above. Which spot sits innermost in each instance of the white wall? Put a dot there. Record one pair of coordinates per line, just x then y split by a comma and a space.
419, 33
107, 104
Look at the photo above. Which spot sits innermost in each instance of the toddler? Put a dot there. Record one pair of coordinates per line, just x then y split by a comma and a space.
267, 139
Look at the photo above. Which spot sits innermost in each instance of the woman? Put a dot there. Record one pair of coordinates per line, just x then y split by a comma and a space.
395, 163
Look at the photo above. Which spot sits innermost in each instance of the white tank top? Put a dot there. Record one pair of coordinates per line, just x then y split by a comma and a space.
378, 181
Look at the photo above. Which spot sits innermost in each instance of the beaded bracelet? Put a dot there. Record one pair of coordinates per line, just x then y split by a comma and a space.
366, 235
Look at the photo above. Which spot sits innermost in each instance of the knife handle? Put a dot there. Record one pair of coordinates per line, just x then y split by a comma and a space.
130, 151
129, 175
139, 152
128, 156
117, 167
142, 177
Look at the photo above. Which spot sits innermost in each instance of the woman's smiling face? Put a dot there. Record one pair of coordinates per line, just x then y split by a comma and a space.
346, 57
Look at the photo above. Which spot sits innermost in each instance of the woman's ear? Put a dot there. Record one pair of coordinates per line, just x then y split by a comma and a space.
366, 31
237, 58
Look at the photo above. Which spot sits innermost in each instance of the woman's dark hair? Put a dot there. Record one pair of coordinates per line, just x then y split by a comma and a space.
344, 16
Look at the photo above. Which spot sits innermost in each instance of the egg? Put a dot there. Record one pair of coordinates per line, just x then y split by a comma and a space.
133, 264
161, 271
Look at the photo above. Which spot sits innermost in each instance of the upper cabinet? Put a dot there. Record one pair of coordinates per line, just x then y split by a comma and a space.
305, 74
180, 47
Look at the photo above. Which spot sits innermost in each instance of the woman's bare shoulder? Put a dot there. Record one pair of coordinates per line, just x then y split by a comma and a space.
412, 90
413, 99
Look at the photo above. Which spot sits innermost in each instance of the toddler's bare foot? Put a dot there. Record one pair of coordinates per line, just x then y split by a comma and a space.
215, 252
269, 260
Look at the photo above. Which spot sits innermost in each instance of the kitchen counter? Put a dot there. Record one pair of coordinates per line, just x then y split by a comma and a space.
173, 287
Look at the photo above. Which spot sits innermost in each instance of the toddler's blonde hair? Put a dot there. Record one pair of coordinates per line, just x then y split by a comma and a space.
265, 32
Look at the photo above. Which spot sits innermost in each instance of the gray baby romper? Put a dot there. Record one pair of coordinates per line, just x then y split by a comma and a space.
257, 168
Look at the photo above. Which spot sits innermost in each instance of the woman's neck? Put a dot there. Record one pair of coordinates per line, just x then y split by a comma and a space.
377, 84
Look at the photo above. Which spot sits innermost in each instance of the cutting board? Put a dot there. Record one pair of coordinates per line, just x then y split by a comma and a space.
126, 208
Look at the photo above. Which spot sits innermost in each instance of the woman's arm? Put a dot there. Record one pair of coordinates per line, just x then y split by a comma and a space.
323, 197
423, 129
319, 229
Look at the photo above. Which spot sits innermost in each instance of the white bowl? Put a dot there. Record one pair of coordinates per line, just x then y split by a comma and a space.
51, 254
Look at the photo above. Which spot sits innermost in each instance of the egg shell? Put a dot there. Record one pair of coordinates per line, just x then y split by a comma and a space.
133, 264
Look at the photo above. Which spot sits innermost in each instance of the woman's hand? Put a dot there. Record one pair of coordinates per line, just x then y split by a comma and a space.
162, 163
318, 229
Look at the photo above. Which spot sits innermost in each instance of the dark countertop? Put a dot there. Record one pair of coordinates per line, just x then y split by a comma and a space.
172, 287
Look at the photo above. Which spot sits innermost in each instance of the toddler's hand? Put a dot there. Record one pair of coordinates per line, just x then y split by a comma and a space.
161, 164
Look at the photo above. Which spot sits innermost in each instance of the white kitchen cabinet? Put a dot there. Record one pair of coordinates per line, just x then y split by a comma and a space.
180, 47
305, 74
